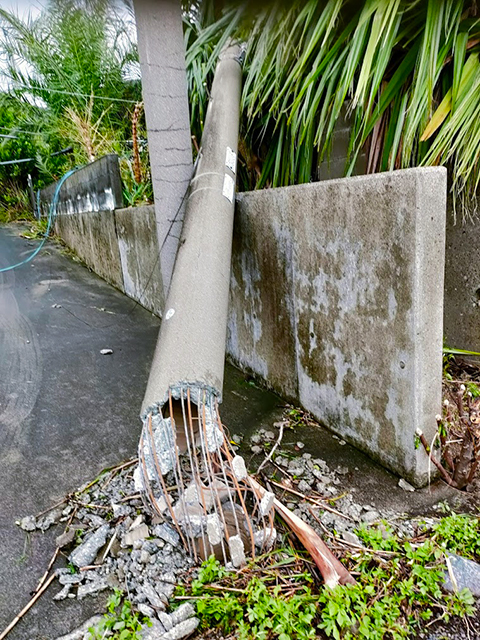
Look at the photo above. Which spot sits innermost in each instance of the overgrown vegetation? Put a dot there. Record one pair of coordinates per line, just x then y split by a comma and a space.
406, 73
71, 81
399, 588
455, 449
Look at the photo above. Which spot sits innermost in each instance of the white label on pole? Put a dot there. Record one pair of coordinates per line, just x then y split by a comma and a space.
228, 187
231, 160
169, 314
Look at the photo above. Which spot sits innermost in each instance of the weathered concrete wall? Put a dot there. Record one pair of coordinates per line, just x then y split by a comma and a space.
122, 247
94, 238
337, 299
119, 244
95, 187
138, 246
462, 283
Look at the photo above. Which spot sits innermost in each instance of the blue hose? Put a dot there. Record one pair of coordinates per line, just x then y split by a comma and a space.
51, 216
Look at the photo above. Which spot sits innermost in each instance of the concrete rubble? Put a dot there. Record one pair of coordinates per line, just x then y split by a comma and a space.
122, 548
118, 545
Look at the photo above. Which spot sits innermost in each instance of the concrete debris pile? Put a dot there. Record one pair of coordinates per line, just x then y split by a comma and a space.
109, 543
311, 486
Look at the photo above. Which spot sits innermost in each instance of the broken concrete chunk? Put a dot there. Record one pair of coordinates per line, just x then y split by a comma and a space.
191, 494
146, 610
51, 518
239, 468
86, 553
167, 577
94, 520
70, 578
61, 595
406, 486
237, 551
265, 538
92, 587
137, 522
184, 611
466, 574
214, 529
304, 487
137, 479
120, 510
28, 523
137, 534
155, 632
351, 538
165, 590
106, 352
152, 596
165, 532
182, 630
266, 503
189, 511
165, 620
370, 516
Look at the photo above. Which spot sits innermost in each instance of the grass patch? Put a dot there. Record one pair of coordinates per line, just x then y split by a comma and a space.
120, 621
399, 589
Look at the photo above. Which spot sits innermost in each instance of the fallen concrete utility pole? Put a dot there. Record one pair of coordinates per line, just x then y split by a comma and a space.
188, 472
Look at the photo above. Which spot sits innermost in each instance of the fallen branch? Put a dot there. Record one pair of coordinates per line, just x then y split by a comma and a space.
45, 575
444, 473
332, 570
26, 608
274, 448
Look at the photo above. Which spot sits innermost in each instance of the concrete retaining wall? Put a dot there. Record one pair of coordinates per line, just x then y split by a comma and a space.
337, 301
462, 283
95, 187
336, 298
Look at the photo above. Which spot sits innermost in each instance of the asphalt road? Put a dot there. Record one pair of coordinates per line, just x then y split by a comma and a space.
66, 411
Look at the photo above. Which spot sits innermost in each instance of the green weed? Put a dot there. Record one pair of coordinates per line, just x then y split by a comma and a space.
459, 533
399, 590
120, 622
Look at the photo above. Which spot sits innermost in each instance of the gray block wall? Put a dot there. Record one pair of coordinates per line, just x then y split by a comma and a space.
95, 187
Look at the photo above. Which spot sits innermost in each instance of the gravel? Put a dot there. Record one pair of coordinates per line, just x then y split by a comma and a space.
120, 546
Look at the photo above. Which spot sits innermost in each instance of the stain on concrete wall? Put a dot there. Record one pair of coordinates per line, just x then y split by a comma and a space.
94, 238
344, 278
95, 187
261, 331
138, 246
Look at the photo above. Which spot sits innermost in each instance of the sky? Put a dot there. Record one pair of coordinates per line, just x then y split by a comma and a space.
22, 7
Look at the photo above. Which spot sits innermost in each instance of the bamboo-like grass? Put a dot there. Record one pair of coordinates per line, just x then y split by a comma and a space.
405, 72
